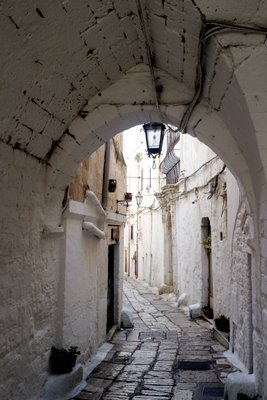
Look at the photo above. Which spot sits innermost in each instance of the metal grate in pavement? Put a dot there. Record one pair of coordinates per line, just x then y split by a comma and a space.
153, 335
214, 391
194, 365
122, 359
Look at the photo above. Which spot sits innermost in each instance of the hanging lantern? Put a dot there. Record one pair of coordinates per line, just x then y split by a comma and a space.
139, 199
154, 132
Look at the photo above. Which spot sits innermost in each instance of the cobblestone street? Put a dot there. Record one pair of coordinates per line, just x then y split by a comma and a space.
166, 356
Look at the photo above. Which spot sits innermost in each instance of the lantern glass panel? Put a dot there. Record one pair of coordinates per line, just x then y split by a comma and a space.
153, 137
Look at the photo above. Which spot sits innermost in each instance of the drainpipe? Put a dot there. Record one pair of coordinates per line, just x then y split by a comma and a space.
106, 175
136, 251
129, 243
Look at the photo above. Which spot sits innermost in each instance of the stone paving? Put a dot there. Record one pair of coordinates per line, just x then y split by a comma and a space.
166, 356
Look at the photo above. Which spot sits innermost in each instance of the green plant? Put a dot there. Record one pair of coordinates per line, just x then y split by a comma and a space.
138, 157
207, 241
74, 350
222, 323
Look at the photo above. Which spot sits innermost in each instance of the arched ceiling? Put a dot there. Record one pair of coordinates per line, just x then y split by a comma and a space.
57, 55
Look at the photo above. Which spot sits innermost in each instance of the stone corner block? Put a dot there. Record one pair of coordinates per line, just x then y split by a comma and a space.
63, 386
126, 319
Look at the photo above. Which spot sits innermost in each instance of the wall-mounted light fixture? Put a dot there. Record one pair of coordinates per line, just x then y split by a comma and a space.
112, 185
139, 199
127, 199
154, 132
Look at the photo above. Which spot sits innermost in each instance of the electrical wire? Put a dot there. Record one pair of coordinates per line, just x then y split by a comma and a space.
151, 62
209, 29
148, 51
139, 177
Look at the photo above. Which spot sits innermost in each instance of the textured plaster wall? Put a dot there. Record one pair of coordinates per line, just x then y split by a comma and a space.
258, 338
85, 287
88, 175
85, 277
151, 248
53, 288
192, 205
118, 172
241, 290
28, 276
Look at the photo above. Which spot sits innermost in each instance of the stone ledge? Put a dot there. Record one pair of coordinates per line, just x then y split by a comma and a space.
61, 387
221, 338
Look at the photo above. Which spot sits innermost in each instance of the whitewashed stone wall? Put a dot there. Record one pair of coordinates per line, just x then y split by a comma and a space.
241, 290
151, 248
199, 169
259, 335
85, 284
53, 278
28, 276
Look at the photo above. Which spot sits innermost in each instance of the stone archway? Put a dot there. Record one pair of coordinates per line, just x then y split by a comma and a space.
217, 127
123, 105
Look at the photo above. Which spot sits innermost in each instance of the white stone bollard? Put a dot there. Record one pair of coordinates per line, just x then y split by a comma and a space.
126, 319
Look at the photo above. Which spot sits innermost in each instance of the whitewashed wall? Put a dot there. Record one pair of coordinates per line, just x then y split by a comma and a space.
29, 277
147, 181
85, 277
53, 287
241, 290
151, 248
85, 285
199, 165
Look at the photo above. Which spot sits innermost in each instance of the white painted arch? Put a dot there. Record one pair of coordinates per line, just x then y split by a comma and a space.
105, 117
228, 130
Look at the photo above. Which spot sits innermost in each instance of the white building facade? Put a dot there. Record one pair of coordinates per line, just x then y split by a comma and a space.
196, 242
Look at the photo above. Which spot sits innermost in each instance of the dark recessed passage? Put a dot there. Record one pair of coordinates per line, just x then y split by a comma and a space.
194, 365
213, 391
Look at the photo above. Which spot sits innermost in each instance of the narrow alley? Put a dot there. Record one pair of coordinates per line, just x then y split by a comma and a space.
165, 356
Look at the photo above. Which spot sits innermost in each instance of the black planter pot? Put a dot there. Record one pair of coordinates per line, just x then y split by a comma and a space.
222, 324
61, 361
208, 312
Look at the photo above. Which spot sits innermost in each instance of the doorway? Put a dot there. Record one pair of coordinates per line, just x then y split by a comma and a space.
110, 291
206, 260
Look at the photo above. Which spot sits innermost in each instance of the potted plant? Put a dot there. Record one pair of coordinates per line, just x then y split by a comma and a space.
207, 242
62, 361
128, 196
222, 323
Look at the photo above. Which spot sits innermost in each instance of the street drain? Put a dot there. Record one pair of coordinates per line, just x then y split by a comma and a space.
194, 365
153, 335
122, 360
213, 391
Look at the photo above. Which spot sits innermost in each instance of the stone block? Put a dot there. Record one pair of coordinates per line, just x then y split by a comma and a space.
183, 395
165, 289
239, 382
194, 310
182, 300
197, 376
63, 386
126, 319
